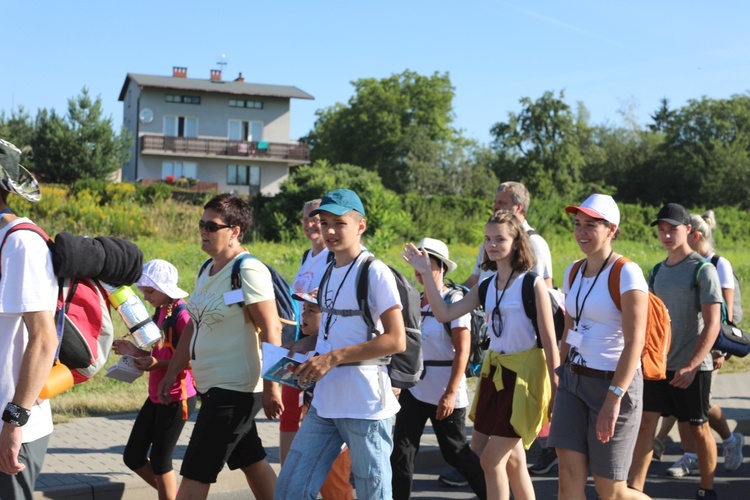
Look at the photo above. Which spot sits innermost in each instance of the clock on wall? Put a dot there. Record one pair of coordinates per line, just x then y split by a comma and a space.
146, 115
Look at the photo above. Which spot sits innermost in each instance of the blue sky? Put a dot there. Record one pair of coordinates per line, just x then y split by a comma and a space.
609, 55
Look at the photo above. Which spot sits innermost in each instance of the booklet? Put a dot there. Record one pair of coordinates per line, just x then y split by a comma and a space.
278, 365
125, 370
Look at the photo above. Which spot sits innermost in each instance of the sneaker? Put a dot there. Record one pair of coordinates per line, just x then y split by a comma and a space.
546, 461
453, 478
685, 466
733, 453
706, 495
658, 449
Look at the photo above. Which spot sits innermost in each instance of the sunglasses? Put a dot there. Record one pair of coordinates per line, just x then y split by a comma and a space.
211, 226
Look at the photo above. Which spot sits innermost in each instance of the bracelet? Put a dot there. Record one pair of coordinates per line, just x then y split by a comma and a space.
16, 415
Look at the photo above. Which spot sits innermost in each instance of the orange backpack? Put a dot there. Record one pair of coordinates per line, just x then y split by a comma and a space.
658, 324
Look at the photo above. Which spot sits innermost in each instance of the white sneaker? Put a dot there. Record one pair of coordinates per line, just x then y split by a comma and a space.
733, 453
685, 466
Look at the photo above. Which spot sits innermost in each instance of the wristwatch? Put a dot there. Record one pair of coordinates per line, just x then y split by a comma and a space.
617, 391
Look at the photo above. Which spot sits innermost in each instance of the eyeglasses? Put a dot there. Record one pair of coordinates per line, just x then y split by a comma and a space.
211, 226
497, 322
314, 220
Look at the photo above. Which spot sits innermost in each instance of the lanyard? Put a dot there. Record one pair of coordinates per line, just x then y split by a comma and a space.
327, 328
497, 306
579, 310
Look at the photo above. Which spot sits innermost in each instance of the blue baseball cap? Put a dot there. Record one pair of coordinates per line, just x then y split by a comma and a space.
339, 202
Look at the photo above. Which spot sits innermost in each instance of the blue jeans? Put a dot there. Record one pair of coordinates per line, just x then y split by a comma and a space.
318, 443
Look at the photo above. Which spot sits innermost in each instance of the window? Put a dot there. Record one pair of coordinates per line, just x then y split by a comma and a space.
179, 169
245, 131
244, 175
181, 126
184, 99
239, 103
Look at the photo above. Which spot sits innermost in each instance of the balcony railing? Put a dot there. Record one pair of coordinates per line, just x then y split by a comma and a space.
223, 147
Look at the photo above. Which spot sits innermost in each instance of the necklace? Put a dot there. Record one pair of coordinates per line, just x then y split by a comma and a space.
497, 319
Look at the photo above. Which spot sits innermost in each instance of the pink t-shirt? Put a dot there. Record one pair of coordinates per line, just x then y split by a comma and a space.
183, 387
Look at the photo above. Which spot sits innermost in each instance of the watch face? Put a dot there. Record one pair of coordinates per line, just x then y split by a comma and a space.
618, 392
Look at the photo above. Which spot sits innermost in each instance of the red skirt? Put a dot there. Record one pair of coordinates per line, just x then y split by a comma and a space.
494, 407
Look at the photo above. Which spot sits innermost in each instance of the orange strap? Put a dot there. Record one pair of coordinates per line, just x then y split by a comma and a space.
614, 278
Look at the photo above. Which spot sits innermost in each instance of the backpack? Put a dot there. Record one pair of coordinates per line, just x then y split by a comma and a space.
479, 337
737, 301
529, 304
168, 326
404, 368
658, 324
82, 317
288, 308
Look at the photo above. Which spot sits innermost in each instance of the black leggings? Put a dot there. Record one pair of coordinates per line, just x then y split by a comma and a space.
157, 427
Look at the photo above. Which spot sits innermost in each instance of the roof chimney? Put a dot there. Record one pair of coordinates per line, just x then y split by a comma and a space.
215, 75
239, 78
179, 72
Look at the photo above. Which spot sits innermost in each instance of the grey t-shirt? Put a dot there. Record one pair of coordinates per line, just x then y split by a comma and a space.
675, 285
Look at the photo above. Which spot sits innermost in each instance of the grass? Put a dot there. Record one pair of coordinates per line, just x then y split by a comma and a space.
105, 396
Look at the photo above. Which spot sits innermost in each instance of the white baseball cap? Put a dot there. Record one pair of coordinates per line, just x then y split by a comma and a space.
598, 206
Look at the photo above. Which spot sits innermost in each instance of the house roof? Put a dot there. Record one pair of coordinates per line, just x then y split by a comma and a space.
220, 86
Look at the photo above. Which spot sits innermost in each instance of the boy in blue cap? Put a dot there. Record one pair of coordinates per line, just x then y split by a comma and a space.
353, 401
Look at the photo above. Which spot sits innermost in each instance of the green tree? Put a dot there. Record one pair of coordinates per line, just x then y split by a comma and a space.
544, 146
81, 145
705, 157
18, 128
384, 122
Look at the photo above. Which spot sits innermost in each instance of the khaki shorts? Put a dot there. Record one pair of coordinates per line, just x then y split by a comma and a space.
573, 427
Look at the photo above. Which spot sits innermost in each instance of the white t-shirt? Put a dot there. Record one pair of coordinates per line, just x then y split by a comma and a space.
225, 350
438, 345
26, 286
539, 248
601, 322
518, 332
310, 272
362, 392
724, 268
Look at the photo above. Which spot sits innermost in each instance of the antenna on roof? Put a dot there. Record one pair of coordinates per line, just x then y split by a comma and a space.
223, 62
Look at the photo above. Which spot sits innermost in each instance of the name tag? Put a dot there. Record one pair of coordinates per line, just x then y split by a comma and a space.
233, 297
574, 338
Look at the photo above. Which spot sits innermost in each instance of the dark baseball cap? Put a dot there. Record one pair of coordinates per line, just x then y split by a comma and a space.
339, 202
674, 214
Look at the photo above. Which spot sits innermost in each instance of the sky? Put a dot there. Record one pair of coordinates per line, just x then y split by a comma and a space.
614, 57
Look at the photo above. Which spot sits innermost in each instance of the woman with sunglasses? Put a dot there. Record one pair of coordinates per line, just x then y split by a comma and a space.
510, 405
599, 401
223, 344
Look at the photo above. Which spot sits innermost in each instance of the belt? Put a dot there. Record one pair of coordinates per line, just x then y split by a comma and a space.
591, 372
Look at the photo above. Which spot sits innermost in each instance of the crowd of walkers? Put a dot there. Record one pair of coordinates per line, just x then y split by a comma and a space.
583, 393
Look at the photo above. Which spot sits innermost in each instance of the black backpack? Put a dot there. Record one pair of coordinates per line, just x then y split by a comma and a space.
480, 339
288, 308
529, 305
404, 368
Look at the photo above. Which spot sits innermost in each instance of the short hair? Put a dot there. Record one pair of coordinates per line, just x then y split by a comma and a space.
310, 205
705, 225
520, 194
523, 258
233, 209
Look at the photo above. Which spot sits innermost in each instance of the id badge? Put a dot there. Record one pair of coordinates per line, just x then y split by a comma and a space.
233, 297
323, 346
574, 338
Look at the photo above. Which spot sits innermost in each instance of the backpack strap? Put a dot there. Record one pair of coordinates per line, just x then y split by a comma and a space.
696, 284
363, 281
304, 256
529, 302
483, 287
331, 310
169, 325
715, 260
28, 226
574, 271
204, 266
614, 281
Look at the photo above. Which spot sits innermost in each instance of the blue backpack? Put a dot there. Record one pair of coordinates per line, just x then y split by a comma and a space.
287, 307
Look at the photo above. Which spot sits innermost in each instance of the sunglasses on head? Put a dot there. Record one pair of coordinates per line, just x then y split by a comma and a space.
211, 226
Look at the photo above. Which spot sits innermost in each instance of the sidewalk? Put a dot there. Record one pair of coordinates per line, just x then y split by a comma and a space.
84, 458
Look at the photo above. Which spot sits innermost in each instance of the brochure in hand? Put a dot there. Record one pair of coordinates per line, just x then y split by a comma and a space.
125, 369
278, 366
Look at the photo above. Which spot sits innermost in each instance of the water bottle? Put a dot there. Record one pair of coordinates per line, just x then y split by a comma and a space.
135, 316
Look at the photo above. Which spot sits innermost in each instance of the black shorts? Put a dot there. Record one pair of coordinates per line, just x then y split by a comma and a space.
224, 432
688, 405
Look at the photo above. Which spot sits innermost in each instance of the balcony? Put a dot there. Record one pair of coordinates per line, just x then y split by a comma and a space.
260, 150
